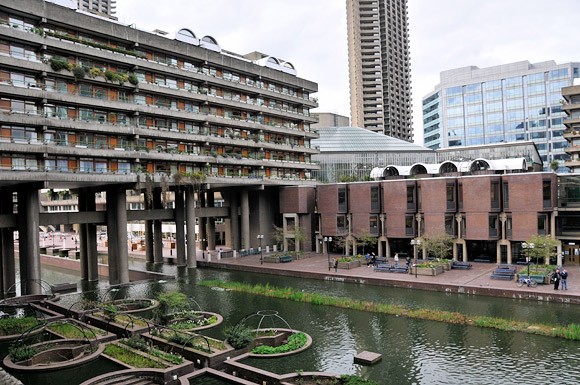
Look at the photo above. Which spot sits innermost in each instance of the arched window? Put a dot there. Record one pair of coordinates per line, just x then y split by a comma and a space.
447, 167
209, 39
418, 169
273, 60
186, 32
289, 65
479, 165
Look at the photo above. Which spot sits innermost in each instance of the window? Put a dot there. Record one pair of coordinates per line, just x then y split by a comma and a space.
449, 227
374, 225
494, 195
460, 196
340, 224
506, 195
508, 227
450, 193
493, 226
542, 224
463, 227
547, 193
342, 199
419, 200
409, 225
411, 197
375, 198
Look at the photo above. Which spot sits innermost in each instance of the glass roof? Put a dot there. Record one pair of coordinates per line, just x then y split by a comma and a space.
356, 139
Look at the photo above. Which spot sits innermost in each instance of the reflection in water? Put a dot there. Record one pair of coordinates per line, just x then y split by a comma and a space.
414, 351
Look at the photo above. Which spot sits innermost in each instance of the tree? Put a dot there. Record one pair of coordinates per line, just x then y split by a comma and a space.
554, 164
366, 239
299, 234
439, 244
544, 247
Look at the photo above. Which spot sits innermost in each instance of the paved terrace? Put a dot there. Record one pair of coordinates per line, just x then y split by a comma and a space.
473, 281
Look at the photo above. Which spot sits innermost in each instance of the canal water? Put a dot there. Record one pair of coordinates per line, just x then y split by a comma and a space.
414, 351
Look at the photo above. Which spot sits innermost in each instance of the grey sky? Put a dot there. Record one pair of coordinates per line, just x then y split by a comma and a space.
311, 34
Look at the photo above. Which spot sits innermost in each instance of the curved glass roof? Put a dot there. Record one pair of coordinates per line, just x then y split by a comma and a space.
356, 139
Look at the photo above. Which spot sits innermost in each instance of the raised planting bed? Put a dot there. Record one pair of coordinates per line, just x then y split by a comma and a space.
435, 270
52, 355
347, 263
13, 326
540, 273
277, 258
202, 351
134, 305
122, 325
313, 378
194, 320
272, 343
73, 329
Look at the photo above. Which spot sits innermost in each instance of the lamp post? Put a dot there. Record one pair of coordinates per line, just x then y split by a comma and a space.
327, 240
416, 243
528, 247
260, 237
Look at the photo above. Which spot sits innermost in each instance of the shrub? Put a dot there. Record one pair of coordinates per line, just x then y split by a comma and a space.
58, 64
110, 312
79, 72
169, 303
94, 72
295, 342
356, 380
238, 336
22, 353
10, 326
133, 79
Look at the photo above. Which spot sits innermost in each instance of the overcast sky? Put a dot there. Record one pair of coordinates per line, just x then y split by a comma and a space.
311, 34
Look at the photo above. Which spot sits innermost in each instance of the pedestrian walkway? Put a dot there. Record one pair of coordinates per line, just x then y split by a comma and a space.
473, 281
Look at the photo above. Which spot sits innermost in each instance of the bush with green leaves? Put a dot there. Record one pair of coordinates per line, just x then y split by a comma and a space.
110, 312
171, 302
348, 379
9, 326
79, 72
295, 342
239, 336
133, 79
22, 353
58, 64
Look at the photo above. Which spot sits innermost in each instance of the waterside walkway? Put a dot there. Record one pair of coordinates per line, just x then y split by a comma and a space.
473, 281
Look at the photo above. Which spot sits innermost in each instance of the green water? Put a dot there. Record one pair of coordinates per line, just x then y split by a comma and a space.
414, 351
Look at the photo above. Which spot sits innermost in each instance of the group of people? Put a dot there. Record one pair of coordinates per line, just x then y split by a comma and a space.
560, 276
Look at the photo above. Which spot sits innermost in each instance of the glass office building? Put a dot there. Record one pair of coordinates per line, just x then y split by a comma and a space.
502, 104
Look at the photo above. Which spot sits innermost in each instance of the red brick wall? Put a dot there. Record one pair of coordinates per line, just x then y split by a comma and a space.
434, 195
395, 196
328, 198
298, 200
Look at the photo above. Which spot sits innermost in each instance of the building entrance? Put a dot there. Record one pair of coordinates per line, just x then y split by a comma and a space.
571, 254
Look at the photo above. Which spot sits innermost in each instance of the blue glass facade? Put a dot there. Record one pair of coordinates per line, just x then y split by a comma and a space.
494, 108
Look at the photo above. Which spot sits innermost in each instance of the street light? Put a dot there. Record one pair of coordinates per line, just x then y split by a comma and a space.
416, 243
528, 247
260, 237
326, 240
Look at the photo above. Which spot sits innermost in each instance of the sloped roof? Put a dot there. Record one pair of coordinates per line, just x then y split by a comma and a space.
356, 139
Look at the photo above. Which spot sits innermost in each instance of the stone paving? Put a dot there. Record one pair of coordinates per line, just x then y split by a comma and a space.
475, 280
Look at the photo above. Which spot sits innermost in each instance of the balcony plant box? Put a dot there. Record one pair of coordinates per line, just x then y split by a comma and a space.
435, 270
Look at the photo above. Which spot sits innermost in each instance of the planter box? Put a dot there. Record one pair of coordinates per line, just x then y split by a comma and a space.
271, 259
427, 270
446, 266
348, 265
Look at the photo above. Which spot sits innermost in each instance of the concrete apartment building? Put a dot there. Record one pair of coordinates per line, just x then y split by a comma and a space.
329, 119
379, 66
500, 104
571, 107
102, 109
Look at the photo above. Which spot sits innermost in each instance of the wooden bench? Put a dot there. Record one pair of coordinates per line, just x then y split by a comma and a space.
285, 258
461, 265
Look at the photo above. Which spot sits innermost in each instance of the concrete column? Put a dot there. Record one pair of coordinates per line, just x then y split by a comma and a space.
148, 234
234, 220
179, 227
29, 249
190, 218
509, 252
7, 238
82, 199
157, 229
559, 255
464, 251
117, 235
498, 252
245, 210
387, 248
91, 241
210, 222
202, 224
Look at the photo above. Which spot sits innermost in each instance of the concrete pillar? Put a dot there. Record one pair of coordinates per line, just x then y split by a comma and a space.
157, 229
387, 248
498, 252
245, 211
465, 252
234, 220
179, 227
7, 239
82, 204
190, 218
91, 241
117, 235
509, 252
29, 249
148, 233
202, 224
559, 254
210, 222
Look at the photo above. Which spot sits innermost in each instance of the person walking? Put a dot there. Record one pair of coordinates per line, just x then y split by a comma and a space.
335, 265
396, 259
564, 276
556, 279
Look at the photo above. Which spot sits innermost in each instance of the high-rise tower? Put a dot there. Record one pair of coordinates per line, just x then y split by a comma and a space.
379, 66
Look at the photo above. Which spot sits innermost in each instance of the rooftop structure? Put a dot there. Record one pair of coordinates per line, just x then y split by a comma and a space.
328, 119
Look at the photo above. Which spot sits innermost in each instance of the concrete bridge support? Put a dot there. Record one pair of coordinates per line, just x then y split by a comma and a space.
202, 223
88, 238
190, 224
29, 248
157, 228
148, 233
234, 220
210, 222
117, 235
7, 240
245, 211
